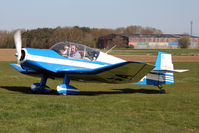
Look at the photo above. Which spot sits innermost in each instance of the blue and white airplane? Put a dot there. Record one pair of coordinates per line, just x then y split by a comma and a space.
74, 61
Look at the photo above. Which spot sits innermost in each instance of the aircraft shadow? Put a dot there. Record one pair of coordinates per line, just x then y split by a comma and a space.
120, 91
26, 90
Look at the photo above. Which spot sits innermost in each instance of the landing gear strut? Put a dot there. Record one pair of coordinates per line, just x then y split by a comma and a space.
41, 87
65, 88
162, 91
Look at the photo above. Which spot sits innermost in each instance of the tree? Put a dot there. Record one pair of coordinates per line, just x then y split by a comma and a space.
119, 41
6, 39
46, 37
184, 42
137, 30
149, 30
133, 30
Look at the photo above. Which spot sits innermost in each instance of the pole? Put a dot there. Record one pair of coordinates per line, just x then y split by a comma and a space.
191, 27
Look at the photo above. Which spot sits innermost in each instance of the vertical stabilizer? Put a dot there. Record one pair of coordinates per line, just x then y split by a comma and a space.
163, 61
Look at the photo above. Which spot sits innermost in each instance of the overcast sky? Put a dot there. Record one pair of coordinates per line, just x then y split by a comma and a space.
170, 16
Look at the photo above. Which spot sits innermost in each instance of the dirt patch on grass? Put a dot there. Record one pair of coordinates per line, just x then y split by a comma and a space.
152, 58
9, 55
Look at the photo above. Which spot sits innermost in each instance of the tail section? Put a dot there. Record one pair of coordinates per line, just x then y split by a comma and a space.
162, 73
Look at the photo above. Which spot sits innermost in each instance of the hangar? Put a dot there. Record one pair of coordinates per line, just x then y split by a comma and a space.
110, 40
147, 41
160, 41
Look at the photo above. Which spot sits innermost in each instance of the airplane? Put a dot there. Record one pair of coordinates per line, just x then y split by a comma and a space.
73, 61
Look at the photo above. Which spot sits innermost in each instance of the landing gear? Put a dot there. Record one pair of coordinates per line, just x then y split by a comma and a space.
41, 87
65, 88
162, 91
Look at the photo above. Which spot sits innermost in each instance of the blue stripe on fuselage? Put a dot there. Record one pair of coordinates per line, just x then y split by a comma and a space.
167, 79
50, 66
152, 82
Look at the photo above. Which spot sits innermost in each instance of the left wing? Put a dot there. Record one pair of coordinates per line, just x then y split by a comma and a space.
125, 72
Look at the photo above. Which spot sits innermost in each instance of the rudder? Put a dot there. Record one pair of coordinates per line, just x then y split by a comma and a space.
163, 62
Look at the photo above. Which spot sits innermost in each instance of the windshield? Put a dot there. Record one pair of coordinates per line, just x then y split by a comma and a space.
76, 51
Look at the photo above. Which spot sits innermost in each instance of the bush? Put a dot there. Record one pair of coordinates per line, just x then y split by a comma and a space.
131, 46
184, 42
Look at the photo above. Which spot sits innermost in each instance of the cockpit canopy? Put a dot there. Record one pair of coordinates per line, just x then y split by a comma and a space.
75, 51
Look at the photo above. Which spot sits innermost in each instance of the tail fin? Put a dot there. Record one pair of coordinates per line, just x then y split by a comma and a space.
164, 63
164, 69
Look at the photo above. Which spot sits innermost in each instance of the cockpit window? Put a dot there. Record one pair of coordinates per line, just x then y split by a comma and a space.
75, 51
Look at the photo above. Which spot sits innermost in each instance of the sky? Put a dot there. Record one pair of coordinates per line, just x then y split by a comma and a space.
170, 16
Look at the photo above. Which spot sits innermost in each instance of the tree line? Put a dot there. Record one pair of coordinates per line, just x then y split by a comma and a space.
46, 37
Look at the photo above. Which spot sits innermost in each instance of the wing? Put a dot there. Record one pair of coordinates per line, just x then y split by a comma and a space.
125, 72
26, 70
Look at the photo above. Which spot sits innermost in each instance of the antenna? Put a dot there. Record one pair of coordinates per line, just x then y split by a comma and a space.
111, 49
191, 28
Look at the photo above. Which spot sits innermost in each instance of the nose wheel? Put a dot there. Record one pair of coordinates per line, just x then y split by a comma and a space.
41, 87
37, 88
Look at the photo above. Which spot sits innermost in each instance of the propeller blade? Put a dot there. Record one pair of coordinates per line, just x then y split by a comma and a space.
18, 44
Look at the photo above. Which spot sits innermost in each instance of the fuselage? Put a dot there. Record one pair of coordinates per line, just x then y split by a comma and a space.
48, 57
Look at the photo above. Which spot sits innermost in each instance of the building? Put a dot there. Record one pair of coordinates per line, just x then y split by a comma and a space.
112, 39
147, 41
160, 41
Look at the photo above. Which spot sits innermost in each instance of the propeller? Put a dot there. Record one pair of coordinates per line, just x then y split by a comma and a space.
18, 45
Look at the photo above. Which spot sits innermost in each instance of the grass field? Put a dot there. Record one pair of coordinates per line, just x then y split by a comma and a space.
130, 51
100, 107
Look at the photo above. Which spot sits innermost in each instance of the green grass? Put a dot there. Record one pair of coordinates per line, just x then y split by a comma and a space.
99, 107
129, 51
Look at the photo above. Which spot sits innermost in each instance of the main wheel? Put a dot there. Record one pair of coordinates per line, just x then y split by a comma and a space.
64, 89
36, 88
162, 91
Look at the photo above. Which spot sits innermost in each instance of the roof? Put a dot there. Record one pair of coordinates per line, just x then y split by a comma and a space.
161, 35
110, 36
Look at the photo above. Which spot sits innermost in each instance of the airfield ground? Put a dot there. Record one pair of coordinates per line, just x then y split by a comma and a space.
100, 108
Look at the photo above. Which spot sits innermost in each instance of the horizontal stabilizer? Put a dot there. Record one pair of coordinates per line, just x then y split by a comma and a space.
164, 71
